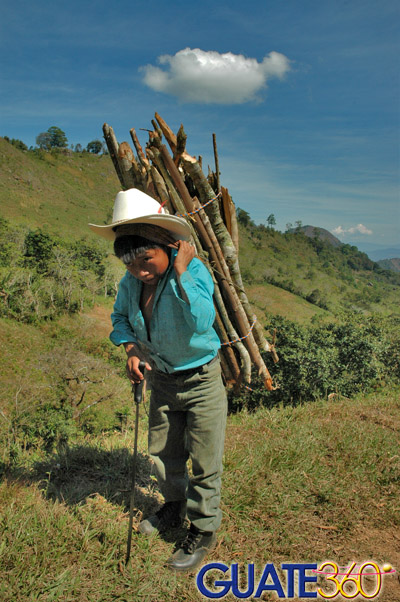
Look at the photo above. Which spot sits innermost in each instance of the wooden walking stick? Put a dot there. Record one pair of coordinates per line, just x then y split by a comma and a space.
137, 389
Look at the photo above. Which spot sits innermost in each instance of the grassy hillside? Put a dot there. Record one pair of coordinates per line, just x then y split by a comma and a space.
60, 193
288, 492
286, 274
288, 496
321, 279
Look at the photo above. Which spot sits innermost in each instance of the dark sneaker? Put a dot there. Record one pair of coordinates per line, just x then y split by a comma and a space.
193, 550
169, 516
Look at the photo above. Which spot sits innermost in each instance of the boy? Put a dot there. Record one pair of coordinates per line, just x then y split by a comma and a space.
164, 314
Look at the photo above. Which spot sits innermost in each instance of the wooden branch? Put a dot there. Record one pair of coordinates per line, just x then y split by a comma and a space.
150, 188
211, 241
161, 188
217, 172
157, 128
227, 355
129, 167
180, 145
232, 335
176, 201
168, 133
229, 208
174, 196
206, 193
142, 157
226, 202
112, 146
177, 178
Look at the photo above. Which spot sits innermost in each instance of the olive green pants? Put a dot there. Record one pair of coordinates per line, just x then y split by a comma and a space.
187, 421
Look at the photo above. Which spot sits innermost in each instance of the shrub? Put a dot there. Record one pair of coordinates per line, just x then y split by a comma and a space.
357, 355
38, 250
41, 276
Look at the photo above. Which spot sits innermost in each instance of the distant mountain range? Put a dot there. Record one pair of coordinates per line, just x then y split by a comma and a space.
379, 253
387, 257
316, 232
390, 264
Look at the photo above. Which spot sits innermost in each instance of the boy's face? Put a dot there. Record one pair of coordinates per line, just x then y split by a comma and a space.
150, 266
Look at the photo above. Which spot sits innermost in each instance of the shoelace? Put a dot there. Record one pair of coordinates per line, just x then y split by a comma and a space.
189, 544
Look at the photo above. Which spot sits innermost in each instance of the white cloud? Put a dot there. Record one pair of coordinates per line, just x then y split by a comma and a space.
360, 229
338, 231
195, 75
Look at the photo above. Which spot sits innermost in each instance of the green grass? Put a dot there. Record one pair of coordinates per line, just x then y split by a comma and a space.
274, 300
282, 271
60, 193
306, 484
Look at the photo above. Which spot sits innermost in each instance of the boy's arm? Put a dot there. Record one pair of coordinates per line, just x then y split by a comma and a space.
123, 334
122, 331
196, 288
184, 257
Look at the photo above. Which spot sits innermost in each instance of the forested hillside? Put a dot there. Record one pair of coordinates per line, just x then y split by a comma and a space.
315, 298
331, 278
289, 274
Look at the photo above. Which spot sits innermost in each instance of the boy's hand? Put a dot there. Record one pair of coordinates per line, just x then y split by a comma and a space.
132, 364
186, 252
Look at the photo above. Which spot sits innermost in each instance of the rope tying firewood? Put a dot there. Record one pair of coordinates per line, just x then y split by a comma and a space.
241, 338
199, 209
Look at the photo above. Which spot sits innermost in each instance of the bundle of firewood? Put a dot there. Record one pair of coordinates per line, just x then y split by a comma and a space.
177, 181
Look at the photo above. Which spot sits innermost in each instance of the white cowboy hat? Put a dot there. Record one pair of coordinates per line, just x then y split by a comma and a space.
134, 206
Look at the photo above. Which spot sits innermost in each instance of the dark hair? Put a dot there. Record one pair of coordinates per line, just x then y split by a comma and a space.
128, 247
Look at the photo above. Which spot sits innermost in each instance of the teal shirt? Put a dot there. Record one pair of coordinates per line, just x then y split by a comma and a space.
182, 335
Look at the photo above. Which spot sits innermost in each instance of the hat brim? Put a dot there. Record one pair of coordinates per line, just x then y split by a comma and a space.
178, 227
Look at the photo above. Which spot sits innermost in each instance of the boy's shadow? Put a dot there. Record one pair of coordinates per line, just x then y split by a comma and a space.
74, 474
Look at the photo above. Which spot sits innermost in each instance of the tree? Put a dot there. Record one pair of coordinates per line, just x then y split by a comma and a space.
57, 137
17, 143
78, 148
271, 221
243, 217
53, 138
43, 140
95, 147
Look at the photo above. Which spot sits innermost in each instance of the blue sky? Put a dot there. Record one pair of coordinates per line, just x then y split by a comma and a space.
303, 95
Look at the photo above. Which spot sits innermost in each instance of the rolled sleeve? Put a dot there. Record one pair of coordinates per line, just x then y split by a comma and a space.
122, 331
199, 288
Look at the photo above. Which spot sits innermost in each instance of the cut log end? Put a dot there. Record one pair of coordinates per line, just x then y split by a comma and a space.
269, 385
